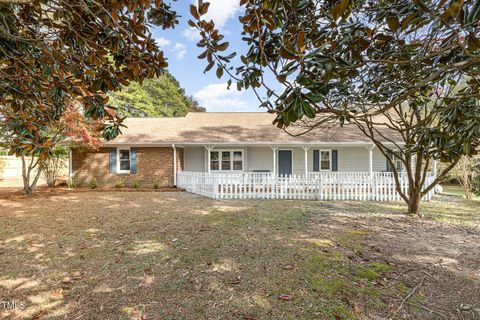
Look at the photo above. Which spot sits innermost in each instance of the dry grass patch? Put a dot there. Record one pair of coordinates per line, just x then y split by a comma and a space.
114, 255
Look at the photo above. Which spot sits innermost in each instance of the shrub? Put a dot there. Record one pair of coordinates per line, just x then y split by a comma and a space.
466, 171
54, 166
120, 183
136, 184
476, 178
156, 185
72, 183
94, 183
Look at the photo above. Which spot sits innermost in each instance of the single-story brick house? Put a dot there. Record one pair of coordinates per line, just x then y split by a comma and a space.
158, 150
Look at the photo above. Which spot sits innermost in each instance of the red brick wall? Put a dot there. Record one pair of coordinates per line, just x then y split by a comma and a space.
154, 165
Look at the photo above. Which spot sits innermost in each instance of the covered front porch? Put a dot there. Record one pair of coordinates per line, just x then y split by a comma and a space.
353, 171
283, 159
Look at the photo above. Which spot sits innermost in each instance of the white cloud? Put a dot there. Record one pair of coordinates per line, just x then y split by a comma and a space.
191, 34
220, 11
180, 50
177, 48
162, 42
216, 97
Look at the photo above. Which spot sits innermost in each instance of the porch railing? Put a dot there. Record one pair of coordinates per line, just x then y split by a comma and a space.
358, 186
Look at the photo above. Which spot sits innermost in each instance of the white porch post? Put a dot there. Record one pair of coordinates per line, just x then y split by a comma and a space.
274, 149
209, 149
174, 165
371, 188
370, 160
306, 148
434, 168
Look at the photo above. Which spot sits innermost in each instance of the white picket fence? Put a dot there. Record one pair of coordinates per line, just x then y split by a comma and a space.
357, 186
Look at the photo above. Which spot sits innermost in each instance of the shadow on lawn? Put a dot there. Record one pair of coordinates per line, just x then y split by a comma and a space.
186, 257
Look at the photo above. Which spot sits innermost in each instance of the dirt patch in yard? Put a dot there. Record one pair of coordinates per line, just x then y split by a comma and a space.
149, 255
436, 265
44, 191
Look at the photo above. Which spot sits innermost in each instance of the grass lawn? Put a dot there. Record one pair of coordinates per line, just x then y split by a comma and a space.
456, 191
149, 255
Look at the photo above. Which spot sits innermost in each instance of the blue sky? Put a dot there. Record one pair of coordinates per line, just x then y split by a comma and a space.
180, 48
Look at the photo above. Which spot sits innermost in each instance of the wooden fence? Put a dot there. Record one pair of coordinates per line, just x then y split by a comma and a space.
11, 167
357, 186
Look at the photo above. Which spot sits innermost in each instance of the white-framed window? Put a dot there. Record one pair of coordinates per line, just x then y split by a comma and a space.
226, 160
237, 161
214, 160
325, 160
123, 160
396, 157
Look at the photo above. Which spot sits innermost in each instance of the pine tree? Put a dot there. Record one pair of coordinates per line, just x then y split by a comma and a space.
157, 97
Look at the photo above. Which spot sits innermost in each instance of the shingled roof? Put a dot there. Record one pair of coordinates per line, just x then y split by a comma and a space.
228, 127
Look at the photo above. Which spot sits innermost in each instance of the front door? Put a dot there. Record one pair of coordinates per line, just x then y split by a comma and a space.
284, 162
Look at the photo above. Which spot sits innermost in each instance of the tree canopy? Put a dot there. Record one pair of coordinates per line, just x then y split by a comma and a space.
56, 51
331, 57
413, 66
157, 97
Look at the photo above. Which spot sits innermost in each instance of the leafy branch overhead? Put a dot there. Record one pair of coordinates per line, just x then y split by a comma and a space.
54, 52
354, 59
407, 68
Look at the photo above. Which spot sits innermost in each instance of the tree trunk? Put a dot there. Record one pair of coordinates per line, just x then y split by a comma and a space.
27, 190
414, 204
26, 174
26, 178
468, 193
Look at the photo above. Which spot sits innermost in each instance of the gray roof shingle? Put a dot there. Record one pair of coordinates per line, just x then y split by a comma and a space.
229, 127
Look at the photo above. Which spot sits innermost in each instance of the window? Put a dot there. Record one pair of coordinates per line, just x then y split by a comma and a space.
123, 160
214, 161
226, 160
325, 160
397, 160
237, 160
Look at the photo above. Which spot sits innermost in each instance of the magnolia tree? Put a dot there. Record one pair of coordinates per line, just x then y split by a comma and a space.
406, 73
56, 51
73, 128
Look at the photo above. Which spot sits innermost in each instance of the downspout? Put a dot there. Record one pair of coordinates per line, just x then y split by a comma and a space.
174, 165
70, 165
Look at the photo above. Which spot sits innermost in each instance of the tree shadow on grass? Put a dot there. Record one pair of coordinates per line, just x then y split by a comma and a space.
181, 256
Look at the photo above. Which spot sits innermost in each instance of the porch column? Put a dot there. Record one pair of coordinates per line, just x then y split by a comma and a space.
370, 160
434, 168
274, 149
209, 149
306, 148
174, 165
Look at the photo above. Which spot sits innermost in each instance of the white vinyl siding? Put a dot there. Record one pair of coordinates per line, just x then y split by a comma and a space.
379, 161
298, 160
350, 159
259, 159
194, 159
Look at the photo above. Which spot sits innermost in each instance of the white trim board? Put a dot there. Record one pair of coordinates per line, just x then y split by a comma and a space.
247, 144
